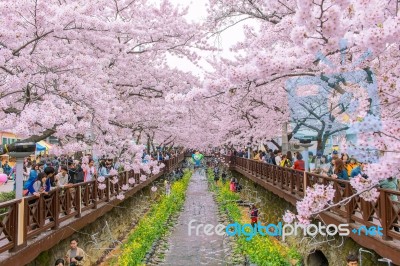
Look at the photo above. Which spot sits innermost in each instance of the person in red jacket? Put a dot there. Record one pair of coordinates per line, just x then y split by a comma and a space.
253, 215
299, 163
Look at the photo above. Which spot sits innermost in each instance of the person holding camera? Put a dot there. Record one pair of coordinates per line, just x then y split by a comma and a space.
75, 256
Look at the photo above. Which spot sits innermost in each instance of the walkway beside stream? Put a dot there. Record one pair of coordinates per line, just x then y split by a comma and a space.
198, 249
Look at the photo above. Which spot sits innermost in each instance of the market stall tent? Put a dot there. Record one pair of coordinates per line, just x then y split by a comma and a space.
42, 146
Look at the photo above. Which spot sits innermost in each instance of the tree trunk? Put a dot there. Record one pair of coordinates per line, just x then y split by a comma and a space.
321, 143
276, 144
148, 144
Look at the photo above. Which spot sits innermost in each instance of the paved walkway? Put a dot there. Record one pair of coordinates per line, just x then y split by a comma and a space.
196, 249
7, 187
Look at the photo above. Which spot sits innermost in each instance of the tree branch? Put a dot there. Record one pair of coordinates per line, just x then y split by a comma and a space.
16, 52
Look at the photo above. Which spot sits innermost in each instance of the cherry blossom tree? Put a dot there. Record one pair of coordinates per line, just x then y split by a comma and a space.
94, 75
300, 40
91, 73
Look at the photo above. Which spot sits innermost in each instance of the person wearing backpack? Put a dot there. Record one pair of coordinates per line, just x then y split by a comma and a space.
72, 174
80, 174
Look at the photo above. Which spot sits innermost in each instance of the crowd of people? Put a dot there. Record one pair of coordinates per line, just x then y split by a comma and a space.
49, 172
335, 165
43, 173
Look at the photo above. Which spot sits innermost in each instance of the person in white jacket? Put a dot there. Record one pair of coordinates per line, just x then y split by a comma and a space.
278, 158
62, 177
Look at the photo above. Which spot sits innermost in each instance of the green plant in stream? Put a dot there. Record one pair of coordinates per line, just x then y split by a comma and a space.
152, 226
6, 196
262, 250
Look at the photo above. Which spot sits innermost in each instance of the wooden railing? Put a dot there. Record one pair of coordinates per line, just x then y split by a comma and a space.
384, 212
8, 224
46, 212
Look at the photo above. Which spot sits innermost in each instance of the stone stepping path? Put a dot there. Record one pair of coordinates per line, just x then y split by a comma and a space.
198, 249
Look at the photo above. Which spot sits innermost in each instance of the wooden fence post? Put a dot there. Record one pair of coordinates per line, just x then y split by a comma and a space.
107, 181
56, 208
385, 214
78, 201
94, 193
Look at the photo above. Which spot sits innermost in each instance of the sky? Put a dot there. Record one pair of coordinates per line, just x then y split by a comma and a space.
198, 12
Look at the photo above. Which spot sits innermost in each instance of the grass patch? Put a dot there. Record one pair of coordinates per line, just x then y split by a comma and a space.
261, 250
6, 196
153, 225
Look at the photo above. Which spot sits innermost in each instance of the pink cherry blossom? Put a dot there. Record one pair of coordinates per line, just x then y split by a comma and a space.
155, 170
289, 217
103, 82
113, 172
114, 180
85, 160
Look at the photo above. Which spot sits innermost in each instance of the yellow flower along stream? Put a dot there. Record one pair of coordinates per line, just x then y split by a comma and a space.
151, 226
261, 250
